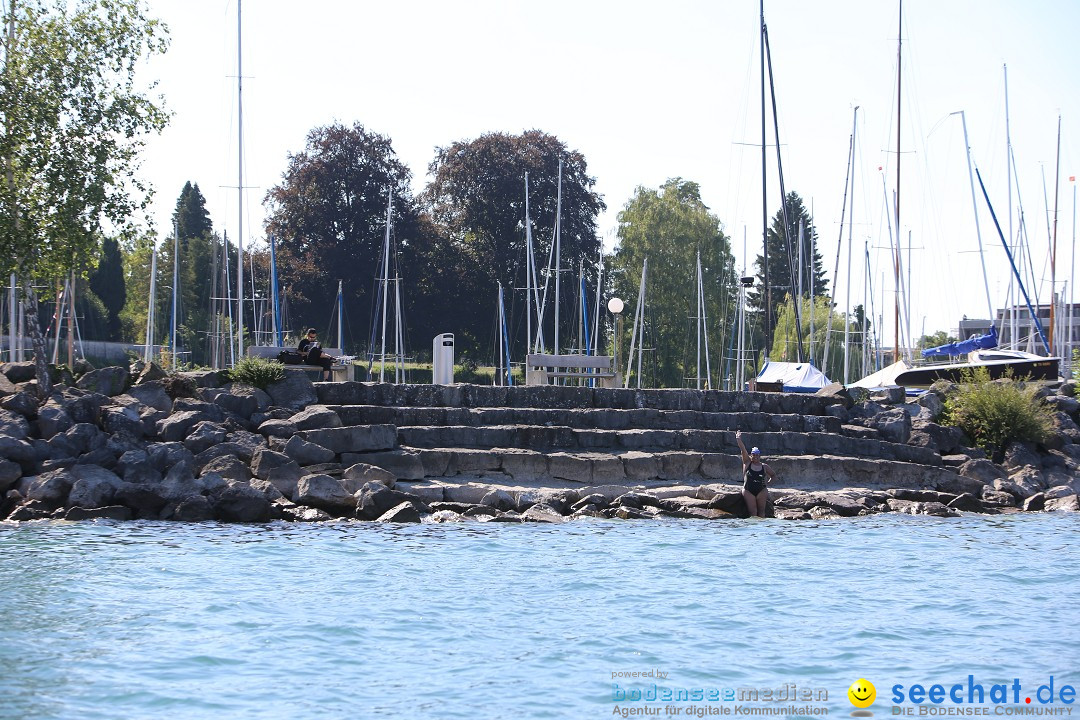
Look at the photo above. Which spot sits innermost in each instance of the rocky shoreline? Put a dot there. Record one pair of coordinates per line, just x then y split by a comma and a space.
138, 443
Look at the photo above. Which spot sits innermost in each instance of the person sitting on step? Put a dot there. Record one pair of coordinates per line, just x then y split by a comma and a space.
312, 353
755, 489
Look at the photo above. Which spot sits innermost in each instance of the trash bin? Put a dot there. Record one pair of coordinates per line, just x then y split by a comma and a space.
442, 359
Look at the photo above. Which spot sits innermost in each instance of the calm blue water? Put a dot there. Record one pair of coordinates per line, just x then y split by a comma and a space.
149, 620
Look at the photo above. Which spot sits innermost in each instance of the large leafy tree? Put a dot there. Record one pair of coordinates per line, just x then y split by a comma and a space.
476, 200
73, 121
328, 216
784, 274
824, 342
669, 227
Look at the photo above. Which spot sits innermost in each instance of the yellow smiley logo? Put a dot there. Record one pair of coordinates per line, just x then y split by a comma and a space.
862, 693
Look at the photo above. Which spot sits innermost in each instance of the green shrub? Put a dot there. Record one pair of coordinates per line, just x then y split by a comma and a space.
256, 372
996, 413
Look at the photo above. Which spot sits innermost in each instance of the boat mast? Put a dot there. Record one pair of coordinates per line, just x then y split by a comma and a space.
764, 197
385, 285
896, 263
278, 339
175, 288
558, 253
239, 186
340, 325
528, 270
850, 242
1010, 301
148, 350
1053, 237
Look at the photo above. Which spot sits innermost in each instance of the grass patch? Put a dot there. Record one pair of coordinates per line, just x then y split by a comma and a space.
256, 372
999, 412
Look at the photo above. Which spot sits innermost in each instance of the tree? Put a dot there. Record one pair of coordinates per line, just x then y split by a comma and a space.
476, 199
825, 351
328, 216
669, 227
107, 283
780, 269
73, 124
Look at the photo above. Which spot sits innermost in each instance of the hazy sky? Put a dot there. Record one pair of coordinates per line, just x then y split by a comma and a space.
649, 91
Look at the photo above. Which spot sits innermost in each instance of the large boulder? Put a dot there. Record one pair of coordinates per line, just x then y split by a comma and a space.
176, 426
152, 394
307, 453
316, 417
19, 372
23, 403
122, 420
51, 488
240, 502
229, 467
94, 486
403, 464
375, 499
264, 460
325, 492
6, 386
203, 436
53, 419
404, 512
296, 391
982, 470
1018, 455
242, 400
13, 425
359, 474
894, 425
106, 381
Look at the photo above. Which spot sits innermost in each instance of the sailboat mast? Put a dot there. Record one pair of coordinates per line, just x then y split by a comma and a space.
385, 285
148, 351
340, 307
896, 263
1008, 172
850, 242
239, 186
175, 289
764, 197
1053, 236
978, 233
558, 254
278, 339
528, 270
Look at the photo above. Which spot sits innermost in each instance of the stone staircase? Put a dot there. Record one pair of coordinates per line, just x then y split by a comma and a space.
450, 438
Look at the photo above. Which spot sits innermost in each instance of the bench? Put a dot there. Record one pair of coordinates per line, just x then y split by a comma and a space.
543, 369
338, 373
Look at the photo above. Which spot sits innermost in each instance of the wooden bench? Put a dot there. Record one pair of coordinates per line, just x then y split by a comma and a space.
548, 369
338, 373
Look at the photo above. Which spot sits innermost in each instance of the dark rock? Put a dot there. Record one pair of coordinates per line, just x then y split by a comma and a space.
150, 373
10, 472
307, 453
203, 436
51, 487
122, 420
19, 372
277, 428
1019, 454
967, 502
264, 460
239, 502
23, 403
14, 425
297, 513
94, 486
838, 392
177, 426
939, 438
924, 495
859, 431
933, 403
53, 419
376, 499
635, 500
325, 492
500, 500
85, 437
228, 467
403, 464
479, 511
225, 449
195, 508
316, 417
295, 391
596, 499
1064, 403
1035, 503
402, 513
152, 394
543, 514
889, 396
991, 496
144, 499
204, 378
166, 456
457, 507
505, 517
106, 381
6, 386
19, 450
31, 510
242, 400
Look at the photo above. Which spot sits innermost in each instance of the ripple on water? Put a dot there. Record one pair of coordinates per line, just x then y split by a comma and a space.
140, 619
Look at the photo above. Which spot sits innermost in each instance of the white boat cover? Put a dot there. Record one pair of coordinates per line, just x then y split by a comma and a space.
885, 377
796, 377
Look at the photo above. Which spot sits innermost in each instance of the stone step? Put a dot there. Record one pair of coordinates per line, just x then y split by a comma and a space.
605, 419
568, 398
522, 469
554, 438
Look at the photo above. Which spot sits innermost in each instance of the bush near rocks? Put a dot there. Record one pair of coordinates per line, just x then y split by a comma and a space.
257, 372
995, 414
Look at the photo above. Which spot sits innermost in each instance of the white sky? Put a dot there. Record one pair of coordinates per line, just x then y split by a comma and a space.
648, 91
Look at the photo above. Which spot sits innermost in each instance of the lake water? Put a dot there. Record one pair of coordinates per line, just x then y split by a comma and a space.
355, 620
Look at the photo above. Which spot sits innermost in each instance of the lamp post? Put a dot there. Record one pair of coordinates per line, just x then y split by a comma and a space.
615, 307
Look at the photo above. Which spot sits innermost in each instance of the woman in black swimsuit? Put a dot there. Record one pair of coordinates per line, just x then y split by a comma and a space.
755, 489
